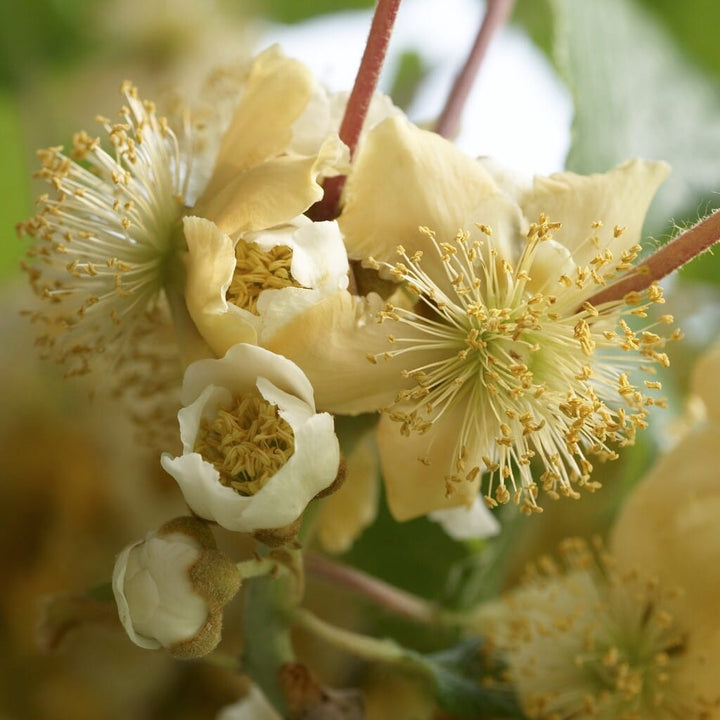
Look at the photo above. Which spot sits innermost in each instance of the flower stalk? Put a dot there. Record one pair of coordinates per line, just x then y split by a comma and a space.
376, 591
496, 14
362, 646
672, 256
359, 101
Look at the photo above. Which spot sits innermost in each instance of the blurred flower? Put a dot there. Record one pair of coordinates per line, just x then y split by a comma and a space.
490, 358
255, 452
110, 238
171, 587
253, 706
583, 640
669, 526
238, 291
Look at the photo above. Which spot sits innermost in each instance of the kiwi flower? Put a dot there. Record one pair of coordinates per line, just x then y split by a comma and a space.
255, 452
585, 640
489, 359
109, 237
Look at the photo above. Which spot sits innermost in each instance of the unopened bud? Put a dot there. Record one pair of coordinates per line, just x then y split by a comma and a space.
171, 587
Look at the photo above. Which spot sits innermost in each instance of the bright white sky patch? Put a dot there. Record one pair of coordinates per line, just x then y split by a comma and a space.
519, 112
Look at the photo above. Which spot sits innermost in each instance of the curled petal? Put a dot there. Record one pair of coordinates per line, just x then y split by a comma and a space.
403, 178
619, 197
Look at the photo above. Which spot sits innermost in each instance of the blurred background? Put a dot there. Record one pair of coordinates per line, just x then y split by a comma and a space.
582, 84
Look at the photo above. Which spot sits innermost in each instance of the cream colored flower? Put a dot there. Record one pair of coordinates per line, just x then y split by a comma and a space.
255, 452
669, 526
253, 706
489, 359
585, 641
170, 589
109, 236
242, 290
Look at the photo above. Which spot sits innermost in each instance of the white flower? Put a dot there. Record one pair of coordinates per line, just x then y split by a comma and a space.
170, 589
255, 453
253, 706
245, 289
110, 235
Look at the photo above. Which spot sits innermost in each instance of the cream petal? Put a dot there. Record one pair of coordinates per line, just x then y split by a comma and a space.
330, 342
311, 468
277, 91
404, 178
272, 193
205, 406
118, 586
239, 369
348, 511
619, 197
210, 266
414, 488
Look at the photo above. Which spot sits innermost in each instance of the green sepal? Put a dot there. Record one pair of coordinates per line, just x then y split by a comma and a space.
464, 682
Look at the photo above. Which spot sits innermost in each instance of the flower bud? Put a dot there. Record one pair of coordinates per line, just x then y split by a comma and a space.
171, 587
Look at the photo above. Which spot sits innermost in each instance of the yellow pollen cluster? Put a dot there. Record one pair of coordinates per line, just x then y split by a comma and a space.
107, 233
535, 378
257, 270
247, 443
585, 642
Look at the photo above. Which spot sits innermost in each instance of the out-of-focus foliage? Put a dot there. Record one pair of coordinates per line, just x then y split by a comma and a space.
292, 11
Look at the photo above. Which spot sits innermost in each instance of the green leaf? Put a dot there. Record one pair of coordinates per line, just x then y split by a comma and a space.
636, 94
463, 685
267, 643
410, 71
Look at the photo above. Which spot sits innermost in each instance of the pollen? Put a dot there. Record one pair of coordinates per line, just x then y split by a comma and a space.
257, 270
535, 378
247, 442
107, 235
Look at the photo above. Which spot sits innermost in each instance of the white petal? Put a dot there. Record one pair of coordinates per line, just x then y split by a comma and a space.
467, 523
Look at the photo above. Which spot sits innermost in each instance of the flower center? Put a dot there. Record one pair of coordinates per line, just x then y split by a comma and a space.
257, 270
247, 442
512, 355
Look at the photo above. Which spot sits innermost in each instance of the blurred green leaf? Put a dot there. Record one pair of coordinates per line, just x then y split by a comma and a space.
414, 555
267, 646
292, 11
636, 94
463, 682
535, 16
14, 186
694, 25
410, 72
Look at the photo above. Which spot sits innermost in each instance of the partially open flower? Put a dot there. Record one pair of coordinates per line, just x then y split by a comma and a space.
244, 289
255, 452
171, 587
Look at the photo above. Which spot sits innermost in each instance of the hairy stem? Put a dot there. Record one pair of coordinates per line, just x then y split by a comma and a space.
670, 257
496, 13
359, 101
362, 646
372, 589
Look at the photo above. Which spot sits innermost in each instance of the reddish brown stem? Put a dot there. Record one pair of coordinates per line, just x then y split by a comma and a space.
496, 13
670, 257
359, 101
377, 591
